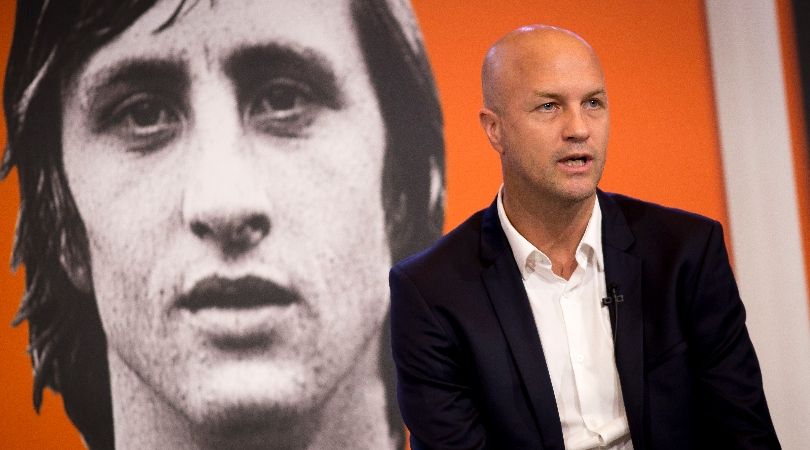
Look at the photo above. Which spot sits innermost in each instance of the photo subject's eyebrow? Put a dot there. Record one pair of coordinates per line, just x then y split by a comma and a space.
165, 74
252, 66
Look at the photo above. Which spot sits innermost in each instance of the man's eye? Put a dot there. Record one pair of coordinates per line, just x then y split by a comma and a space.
144, 122
283, 107
593, 103
547, 106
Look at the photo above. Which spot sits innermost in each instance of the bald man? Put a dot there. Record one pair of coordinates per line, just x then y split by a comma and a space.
563, 316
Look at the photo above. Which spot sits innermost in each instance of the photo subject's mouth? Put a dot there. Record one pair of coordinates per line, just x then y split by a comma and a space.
238, 312
248, 292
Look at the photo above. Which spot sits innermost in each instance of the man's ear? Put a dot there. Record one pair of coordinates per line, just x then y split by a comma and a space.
491, 124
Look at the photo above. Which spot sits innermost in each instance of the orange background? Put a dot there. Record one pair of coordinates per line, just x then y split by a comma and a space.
664, 143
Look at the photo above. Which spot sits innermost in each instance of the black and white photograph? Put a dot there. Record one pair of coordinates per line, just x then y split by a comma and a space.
208, 226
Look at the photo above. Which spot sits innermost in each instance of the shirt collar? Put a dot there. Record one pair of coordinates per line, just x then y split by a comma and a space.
592, 239
527, 255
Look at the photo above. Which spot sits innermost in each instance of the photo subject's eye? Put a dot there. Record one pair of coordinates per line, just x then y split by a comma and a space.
280, 100
283, 107
143, 122
147, 116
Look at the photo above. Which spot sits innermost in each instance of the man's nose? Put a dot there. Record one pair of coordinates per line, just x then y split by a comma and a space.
576, 126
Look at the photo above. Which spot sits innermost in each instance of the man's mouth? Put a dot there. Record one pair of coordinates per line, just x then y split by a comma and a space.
576, 161
242, 293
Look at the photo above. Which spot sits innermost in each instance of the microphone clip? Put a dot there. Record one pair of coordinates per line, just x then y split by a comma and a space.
613, 296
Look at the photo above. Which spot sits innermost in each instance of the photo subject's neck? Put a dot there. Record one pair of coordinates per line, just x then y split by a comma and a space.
354, 416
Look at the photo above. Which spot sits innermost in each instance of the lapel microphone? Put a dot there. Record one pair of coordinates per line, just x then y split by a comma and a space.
613, 295
614, 298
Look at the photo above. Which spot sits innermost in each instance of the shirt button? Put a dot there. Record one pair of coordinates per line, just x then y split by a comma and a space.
580, 358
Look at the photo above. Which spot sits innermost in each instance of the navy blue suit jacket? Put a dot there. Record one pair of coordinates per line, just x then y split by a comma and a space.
470, 368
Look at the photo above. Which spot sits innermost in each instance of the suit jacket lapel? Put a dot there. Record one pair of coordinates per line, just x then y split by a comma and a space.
501, 277
624, 270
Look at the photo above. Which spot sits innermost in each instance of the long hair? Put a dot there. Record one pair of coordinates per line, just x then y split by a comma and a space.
52, 39
413, 169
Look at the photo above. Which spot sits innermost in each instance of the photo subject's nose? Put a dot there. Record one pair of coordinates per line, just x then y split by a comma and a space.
224, 204
234, 232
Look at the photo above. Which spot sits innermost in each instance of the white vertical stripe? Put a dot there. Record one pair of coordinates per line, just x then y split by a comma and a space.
761, 195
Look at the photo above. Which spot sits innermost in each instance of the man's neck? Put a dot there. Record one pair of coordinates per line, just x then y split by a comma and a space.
354, 416
553, 226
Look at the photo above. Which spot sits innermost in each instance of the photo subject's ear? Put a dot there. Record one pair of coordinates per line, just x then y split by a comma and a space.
437, 186
75, 264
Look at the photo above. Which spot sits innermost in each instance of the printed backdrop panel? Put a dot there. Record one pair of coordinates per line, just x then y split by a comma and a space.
664, 141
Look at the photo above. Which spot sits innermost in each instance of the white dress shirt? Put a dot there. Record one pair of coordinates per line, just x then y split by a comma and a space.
576, 337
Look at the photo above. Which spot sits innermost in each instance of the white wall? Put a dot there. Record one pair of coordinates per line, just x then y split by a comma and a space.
762, 207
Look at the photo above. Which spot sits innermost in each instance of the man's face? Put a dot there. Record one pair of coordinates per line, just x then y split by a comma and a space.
228, 173
553, 117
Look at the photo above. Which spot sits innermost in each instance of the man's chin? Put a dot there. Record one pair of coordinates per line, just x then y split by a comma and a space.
573, 195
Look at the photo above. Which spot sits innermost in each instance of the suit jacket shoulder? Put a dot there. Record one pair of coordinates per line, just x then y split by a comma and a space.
456, 254
652, 219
